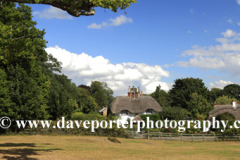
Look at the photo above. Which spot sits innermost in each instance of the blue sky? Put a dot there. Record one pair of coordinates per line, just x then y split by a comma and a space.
155, 43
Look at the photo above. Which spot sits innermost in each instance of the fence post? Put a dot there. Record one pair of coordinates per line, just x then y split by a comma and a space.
214, 137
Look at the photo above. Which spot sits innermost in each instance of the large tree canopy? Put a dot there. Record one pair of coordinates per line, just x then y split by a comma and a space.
77, 8
182, 91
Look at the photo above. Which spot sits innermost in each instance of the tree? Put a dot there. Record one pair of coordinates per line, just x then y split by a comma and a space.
161, 97
98, 94
77, 8
102, 94
215, 93
182, 91
232, 90
86, 103
198, 106
6, 105
21, 48
108, 92
223, 100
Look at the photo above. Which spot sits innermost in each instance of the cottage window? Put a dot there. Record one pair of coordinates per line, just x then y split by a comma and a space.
124, 112
149, 111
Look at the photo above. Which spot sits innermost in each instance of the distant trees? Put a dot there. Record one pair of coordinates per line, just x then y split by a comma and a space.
232, 90
102, 94
161, 97
198, 105
215, 93
182, 91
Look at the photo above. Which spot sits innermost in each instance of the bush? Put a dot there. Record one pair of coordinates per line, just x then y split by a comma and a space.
173, 113
79, 116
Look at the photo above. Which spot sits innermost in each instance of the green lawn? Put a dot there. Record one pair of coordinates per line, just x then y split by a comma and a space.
86, 147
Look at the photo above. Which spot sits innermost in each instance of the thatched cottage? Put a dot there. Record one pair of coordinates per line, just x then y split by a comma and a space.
133, 105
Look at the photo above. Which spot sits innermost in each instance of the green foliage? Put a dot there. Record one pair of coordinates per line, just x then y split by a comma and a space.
198, 106
102, 94
97, 93
82, 7
232, 90
182, 91
6, 105
21, 42
89, 117
228, 131
86, 103
21, 48
153, 117
224, 100
173, 113
161, 97
62, 98
215, 93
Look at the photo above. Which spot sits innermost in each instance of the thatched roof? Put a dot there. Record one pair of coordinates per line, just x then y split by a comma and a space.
223, 107
137, 118
134, 105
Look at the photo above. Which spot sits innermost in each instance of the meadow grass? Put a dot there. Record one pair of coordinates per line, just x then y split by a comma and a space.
88, 147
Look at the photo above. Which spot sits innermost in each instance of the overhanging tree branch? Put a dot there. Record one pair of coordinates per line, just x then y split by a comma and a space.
78, 8
85, 9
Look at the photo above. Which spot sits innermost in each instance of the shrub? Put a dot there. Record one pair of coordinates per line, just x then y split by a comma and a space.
173, 113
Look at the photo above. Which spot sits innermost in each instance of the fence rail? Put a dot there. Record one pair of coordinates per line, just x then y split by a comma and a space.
181, 137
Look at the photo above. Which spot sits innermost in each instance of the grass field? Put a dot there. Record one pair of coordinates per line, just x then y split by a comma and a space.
84, 147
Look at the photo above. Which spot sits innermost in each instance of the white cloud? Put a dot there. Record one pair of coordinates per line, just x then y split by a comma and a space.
111, 22
238, 23
220, 84
224, 57
205, 30
191, 10
189, 31
228, 33
229, 21
53, 12
83, 69
238, 1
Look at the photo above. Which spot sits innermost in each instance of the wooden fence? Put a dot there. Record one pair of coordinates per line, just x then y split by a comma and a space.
182, 137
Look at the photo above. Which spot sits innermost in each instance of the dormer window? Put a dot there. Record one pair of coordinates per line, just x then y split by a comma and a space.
149, 111
124, 112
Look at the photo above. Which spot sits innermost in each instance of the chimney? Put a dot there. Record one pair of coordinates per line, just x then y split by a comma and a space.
135, 93
129, 92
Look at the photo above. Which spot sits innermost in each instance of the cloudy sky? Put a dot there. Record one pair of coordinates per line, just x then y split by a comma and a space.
156, 42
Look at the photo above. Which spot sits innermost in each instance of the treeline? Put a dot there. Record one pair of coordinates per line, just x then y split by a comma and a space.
190, 98
31, 83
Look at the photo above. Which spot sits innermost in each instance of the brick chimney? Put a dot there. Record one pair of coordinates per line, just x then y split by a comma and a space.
129, 92
133, 94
